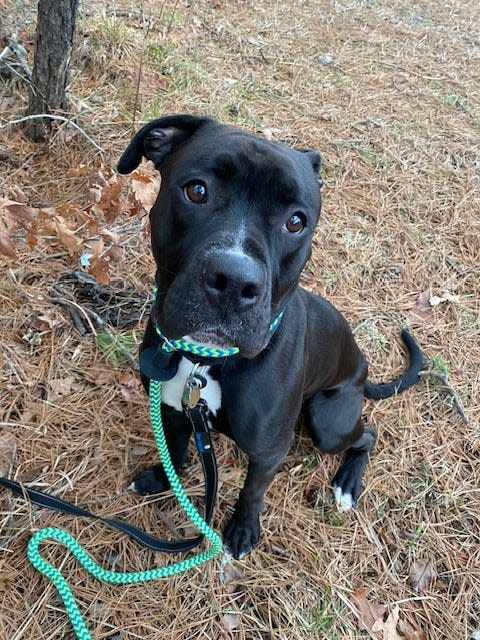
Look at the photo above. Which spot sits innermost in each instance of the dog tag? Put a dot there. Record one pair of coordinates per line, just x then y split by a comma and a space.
190, 397
191, 391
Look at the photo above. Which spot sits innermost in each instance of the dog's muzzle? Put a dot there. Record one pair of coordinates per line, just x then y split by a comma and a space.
233, 281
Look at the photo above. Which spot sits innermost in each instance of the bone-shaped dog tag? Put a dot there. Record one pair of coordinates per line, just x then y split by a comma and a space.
194, 383
191, 396
191, 392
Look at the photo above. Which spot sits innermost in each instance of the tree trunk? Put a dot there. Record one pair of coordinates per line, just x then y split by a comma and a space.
55, 29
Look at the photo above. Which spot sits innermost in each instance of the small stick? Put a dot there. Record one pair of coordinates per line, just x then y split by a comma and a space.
444, 379
62, 118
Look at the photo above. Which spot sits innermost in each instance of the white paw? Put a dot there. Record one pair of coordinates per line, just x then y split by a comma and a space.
344, 501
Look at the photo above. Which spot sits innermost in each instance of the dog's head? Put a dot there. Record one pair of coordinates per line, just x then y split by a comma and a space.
231, 227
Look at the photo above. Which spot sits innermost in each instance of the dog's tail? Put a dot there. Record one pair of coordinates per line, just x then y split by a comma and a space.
408, 379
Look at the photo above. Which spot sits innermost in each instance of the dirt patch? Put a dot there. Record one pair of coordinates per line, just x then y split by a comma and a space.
388, 92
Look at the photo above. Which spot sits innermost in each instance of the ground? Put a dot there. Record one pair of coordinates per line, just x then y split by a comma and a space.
388, 92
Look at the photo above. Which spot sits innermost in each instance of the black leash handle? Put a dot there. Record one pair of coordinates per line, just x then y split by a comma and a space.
198, 418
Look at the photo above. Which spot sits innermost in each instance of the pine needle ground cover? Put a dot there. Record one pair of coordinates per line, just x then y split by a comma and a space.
388, 92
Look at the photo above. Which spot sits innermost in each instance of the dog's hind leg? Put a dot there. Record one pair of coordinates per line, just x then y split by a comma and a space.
333, 420
348, 479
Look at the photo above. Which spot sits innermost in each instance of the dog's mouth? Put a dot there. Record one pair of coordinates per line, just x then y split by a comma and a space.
212, 339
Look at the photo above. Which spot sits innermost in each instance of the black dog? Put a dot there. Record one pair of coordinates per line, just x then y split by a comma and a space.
231, 232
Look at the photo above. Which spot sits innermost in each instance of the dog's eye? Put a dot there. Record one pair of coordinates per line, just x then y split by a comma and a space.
196, 191
296, 223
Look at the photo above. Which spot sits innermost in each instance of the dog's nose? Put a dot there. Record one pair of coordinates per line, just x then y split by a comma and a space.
233, 280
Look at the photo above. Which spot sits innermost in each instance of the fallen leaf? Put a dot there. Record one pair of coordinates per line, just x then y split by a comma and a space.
144, 189
422, 311
61, 387
114, 253
128, 379
17, 195
33, 409
22, 212
100, 268
139, 451
80, 170
231, 621
229, 575
8, 576
68, 238
368, 611
111, 202
48, 318
388, 628
109, 237
6, 245
127, 394
100, 375
421, 574
409, 632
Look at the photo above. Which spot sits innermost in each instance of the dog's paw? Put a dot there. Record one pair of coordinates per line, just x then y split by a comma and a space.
344, 501
347, 482
241, 535
150, 480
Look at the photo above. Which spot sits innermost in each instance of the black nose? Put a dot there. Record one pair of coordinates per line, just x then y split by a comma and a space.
233, 280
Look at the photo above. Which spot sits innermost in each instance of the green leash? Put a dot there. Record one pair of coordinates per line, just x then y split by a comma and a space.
114, 577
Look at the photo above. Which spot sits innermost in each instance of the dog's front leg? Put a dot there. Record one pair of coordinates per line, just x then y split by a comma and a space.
243, 530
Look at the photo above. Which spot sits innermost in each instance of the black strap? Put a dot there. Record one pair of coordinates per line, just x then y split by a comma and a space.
198, 418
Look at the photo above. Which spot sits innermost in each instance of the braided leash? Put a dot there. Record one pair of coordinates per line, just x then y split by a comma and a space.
120, 578
114, 577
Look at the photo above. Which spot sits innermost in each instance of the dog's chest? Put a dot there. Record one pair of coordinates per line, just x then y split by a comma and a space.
172, 390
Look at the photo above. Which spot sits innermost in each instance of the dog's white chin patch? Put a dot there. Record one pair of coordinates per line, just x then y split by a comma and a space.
344, 501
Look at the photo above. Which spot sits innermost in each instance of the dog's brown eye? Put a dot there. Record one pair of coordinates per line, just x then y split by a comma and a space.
196, 191
296, 223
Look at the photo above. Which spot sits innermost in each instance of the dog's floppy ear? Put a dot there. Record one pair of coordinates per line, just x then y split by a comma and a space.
159, 138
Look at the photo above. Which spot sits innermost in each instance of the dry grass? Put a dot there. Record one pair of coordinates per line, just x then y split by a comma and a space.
389, 93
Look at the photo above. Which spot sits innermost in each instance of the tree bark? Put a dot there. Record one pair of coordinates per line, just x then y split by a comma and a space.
48, 93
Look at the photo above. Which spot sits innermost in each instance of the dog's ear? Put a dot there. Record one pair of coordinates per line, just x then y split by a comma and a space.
313, 156
315, 160
159, 138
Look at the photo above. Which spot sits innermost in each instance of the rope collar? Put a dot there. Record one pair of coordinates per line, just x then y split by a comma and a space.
196, 349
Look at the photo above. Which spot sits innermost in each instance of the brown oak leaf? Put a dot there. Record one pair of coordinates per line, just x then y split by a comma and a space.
67, 236
369, 612
421, 574
6, 245
111, 202
144, 189
409, 632
387, 629
422, 311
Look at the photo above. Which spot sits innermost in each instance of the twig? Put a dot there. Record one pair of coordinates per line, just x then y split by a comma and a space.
62, 118
73, 308
92, 315
446, 383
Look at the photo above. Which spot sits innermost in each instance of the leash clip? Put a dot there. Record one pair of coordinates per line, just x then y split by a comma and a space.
194, 383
